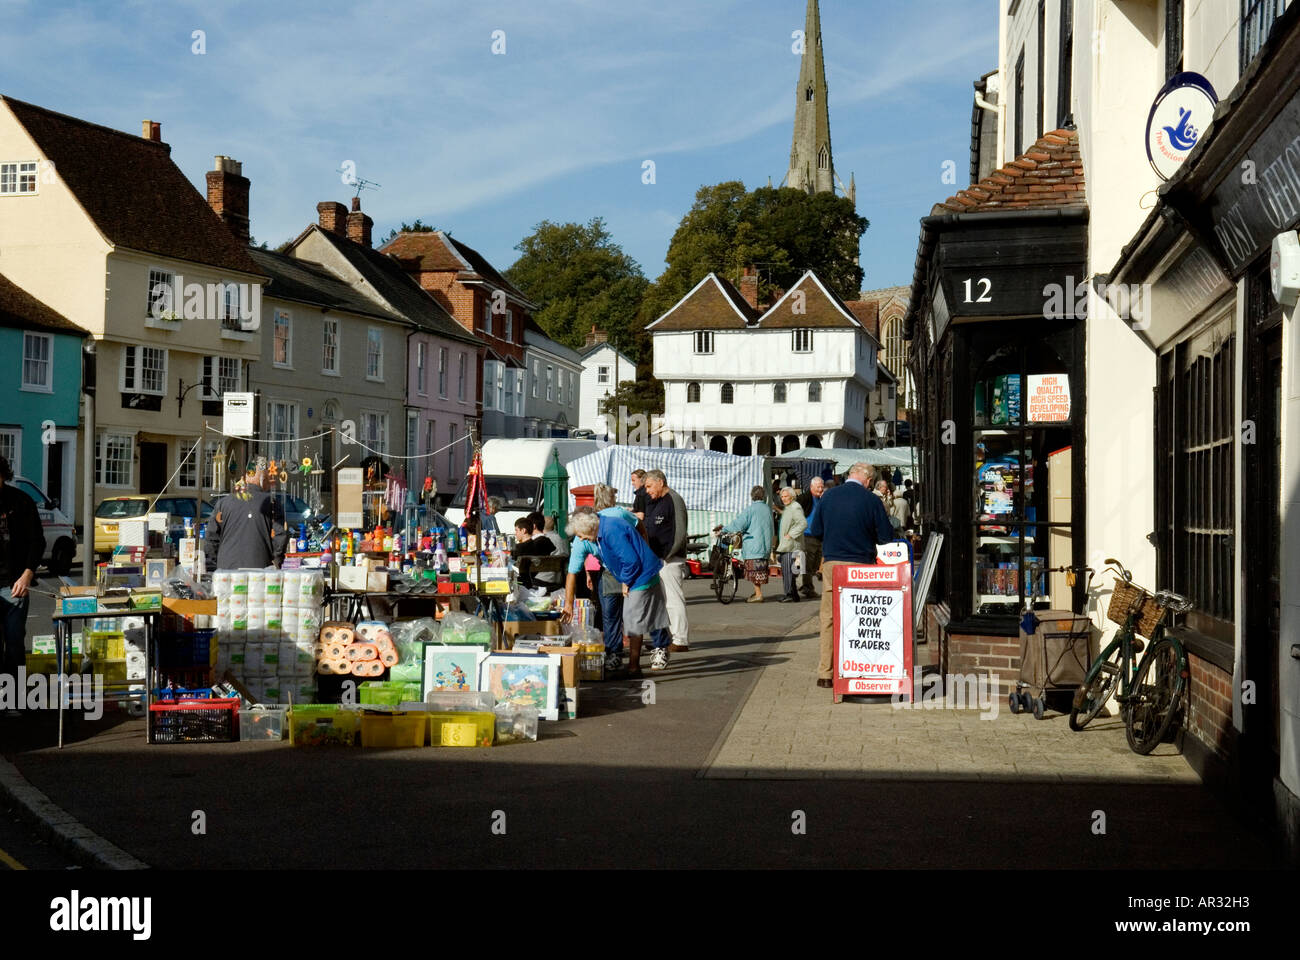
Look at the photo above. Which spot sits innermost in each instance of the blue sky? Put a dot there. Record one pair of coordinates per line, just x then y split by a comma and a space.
557, 127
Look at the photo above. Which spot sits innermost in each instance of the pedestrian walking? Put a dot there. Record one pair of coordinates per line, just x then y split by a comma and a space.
812, 546
850, 521
902, 513
248, 527
666, 525
790, 543
22, 544
755, 523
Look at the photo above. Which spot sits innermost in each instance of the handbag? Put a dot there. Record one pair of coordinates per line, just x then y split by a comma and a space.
797, 562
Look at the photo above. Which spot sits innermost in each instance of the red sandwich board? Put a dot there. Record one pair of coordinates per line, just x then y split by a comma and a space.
872, 606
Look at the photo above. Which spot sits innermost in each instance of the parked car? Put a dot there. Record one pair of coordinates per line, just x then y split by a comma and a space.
136, 506
60, 536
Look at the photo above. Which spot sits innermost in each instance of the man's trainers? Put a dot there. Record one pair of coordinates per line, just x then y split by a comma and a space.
659, 659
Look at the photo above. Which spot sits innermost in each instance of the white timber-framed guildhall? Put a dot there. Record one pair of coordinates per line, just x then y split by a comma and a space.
744, 381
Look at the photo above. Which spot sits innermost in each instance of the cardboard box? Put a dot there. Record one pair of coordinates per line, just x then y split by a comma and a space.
377, 581
189, 609
146, 599
525, 628
569, 701
353, 578
568, 664
158, 571
78, 600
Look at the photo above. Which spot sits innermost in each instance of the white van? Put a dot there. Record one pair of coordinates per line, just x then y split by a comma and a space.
513, 469
60, 536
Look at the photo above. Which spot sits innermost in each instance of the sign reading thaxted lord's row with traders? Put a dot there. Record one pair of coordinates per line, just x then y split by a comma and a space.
873, 629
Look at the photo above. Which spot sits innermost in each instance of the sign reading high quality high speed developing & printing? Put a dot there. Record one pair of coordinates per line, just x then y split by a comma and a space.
873, 629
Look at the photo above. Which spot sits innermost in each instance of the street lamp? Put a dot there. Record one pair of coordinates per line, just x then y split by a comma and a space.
882, 428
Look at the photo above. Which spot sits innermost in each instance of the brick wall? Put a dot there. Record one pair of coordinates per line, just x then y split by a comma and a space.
998, 656
1209, 704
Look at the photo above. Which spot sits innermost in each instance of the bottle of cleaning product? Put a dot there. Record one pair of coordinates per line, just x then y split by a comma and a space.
302, 538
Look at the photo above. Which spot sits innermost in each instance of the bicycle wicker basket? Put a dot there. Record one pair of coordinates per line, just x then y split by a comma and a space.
1130, 598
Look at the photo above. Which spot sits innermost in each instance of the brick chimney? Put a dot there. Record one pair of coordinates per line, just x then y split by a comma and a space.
228, 195
749, 286
596, 336
333, 217
359, 224
151, 131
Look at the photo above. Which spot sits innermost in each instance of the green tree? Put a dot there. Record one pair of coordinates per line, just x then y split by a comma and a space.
418, 227
580, 278
633, 398
782, 231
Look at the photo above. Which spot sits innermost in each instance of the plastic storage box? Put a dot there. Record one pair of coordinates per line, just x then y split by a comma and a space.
458, 734
194, 721
457, 701
515, 723
393, 729
324, 724
262, 723
386, 693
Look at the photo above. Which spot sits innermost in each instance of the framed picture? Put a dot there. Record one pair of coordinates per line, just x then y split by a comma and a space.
525, 680
451, 668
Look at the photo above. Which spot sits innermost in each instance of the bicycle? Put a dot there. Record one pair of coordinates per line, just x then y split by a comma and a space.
1150, 690
725, 567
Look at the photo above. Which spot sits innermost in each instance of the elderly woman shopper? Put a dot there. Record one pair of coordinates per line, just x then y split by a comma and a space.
585, 561
755, 522
631, 562
790, 542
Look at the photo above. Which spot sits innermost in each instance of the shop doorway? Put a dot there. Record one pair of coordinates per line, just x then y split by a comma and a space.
153, 467
1261, 721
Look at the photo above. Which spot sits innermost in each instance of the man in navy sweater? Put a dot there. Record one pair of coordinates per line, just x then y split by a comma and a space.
850, 520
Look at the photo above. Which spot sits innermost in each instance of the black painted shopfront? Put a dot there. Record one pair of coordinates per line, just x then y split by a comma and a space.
997, 331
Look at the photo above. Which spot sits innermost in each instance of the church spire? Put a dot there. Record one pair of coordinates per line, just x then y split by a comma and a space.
811, 165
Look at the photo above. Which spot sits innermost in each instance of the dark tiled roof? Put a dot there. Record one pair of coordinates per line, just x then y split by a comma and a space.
306, 282
868, 314
18, 308
1049, 174
438, 252
131, 189
533, 337
397, 287
714, 304
820, 308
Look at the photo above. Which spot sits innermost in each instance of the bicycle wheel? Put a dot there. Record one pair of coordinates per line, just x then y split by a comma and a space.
1098, 687
1157, 695
726, 583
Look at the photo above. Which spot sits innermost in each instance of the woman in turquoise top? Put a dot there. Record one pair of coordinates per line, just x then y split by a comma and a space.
755, 522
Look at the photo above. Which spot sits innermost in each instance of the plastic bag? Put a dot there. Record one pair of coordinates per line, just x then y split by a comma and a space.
460, 628
410, 636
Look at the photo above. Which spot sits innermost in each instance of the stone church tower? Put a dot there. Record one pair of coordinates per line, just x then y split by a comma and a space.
812, 167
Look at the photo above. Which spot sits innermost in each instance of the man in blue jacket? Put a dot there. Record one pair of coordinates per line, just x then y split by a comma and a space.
850, 520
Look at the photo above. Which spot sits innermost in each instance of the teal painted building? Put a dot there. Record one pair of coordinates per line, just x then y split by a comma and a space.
40, 394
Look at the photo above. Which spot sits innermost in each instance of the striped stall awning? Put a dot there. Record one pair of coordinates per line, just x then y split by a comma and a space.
713, 485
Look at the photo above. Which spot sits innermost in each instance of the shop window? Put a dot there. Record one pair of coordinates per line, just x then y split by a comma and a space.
1023, 466
1196, 489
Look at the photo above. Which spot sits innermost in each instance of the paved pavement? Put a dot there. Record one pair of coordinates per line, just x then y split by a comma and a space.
737, 759
790, 729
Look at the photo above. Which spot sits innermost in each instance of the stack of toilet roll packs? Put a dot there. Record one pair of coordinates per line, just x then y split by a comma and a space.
268, 624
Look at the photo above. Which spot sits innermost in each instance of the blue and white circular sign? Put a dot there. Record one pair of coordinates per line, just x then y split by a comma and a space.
1183, 109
